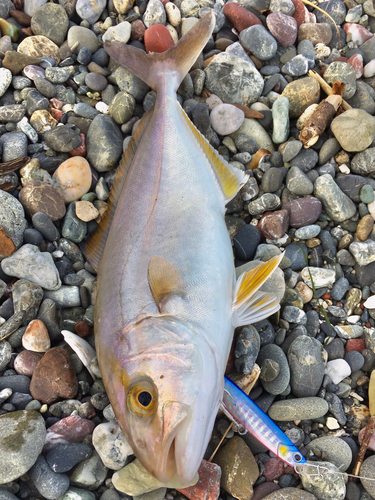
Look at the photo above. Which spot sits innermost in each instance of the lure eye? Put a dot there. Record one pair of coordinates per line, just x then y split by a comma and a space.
142, 399
297, 457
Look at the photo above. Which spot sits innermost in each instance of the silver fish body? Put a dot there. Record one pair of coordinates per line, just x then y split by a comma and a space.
167, 298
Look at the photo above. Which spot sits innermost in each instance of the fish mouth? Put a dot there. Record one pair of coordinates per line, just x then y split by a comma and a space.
175, 418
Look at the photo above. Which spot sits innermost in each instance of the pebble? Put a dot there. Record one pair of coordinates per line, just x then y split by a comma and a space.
329, 486
233, 80
12, 217
90, 11
104, 143
359, 120
298, 409
305, 380
226, 119
22, 435
26, 361
362, 251
301, 94
5, 80
280, 115
336, 451
281, 381
36, 337
337, 370
54, 377
298, 183
72, 179
51, 20
84, 37
48, 483
63, 457
336, 204
111, 445
367, 470
239, 470
259, 41
72, 429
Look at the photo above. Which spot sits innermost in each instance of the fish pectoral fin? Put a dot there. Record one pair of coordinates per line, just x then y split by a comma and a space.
251, 305
93, 245
260, 306
164, 280
230, 179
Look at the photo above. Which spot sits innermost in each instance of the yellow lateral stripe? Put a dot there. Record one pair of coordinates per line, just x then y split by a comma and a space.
254, 279
229, 181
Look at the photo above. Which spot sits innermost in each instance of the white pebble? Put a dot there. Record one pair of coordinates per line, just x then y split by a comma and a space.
213, 101
370, 302
369, 69
344, 169
5, 80
119, 33
111, 445
172, 32
226, 119
173, 13
337, 370
102, 107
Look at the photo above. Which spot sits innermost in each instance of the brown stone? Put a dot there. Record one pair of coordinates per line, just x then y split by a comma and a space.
240, 17
36, 337
21, 17
15, 61
364, 228
137, 30
303, 211
54, 377
208, 485
7, 247
239, 468
262, 490
39, 46
82, 123
40, 197
82, 329
274, 225
301, 94
72, 429
300, 13
315, 32
26, 361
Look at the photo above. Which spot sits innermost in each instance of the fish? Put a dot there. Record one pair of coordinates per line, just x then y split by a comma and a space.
242, 409
167, 299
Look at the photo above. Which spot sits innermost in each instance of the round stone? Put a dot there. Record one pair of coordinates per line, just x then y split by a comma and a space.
226, 119
336, 450
90, 10
39, 46
22, 435
122, 107
342, 72
104, 143
86, 211
96, 82
245, 242
72, 179
316, 33
5, 80
36, 337
301, 94
51, 20
298, 409
298, 183
40, 197
111, 445
240, 17
26, 361
157, 38
367, 194
354, 119
283, 28
259, 41
84, 37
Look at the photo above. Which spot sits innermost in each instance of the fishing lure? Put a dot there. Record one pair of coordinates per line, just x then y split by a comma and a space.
240, 408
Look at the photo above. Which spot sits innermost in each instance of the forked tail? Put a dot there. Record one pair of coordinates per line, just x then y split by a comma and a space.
170, 66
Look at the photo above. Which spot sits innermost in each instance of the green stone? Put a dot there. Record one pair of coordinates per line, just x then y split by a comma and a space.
367, 194
89, 197
9, 29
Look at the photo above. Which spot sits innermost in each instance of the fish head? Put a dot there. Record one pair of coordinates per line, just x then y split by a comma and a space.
165, 392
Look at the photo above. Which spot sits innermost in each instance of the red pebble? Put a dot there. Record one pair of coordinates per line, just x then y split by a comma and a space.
303, 211
301, 14
262, 490
81, 150
274, 469
208, 485
356, 62
239, 16
355, 345
72, 429
274, 225
137, 30
55, 103
326, 296
284, 28
82, 329
158, 38
358, 32
56, 113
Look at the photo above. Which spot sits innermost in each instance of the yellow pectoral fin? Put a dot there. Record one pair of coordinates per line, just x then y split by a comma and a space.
249, 304
164, 280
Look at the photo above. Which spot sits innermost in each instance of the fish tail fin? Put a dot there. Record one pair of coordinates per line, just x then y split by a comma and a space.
170, 66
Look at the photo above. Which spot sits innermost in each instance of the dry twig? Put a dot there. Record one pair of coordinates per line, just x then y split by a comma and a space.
327, 88
370, 429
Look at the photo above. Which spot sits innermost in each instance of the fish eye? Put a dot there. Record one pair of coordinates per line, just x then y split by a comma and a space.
142, 398
297, 457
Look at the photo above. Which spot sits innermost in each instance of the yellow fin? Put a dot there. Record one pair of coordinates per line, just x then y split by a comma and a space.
259, 306
229, 178
250, 281
93, 245
164, 280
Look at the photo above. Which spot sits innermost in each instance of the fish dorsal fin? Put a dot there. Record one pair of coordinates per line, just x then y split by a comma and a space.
93, 245
249, 303
164, 280
229, 178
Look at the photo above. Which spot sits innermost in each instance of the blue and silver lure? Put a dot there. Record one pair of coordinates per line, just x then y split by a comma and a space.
247, 414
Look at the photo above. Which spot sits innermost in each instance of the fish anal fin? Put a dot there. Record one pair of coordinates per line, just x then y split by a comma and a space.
93, 245
164, 280
230, 179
